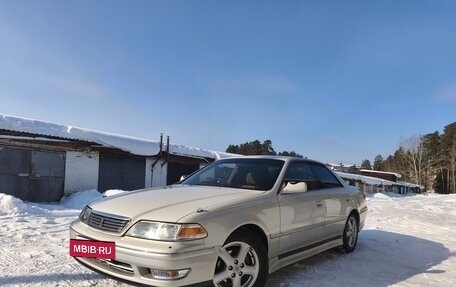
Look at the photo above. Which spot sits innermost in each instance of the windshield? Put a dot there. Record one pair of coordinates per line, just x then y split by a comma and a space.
257, 174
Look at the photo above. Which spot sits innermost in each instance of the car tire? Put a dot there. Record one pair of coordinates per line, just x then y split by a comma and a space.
350, 235
242, 262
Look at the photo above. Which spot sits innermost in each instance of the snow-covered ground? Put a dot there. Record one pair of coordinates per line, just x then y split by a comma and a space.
407, 241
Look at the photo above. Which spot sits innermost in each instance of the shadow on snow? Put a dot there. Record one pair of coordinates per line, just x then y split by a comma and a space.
381, 259
26, 279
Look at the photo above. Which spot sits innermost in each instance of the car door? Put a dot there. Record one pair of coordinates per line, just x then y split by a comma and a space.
302, 214
336, 200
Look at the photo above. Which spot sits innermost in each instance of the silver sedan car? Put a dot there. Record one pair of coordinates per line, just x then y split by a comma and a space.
231, 223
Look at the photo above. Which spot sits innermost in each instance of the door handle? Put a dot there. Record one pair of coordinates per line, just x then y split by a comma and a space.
319, 204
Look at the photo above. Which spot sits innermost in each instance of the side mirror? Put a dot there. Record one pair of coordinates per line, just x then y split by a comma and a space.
183, 177
295, 187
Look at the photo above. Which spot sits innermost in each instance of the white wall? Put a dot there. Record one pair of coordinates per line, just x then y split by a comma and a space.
81, 171
148, 171
158, 177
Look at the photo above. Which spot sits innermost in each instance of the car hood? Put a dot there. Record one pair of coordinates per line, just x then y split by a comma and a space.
171, 203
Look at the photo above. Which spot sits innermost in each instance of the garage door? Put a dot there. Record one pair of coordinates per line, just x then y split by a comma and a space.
121, 172
32, 175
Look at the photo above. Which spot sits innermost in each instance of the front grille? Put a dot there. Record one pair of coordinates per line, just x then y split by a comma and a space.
107, 222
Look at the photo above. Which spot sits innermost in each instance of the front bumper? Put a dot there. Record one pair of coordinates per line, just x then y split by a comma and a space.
134, 264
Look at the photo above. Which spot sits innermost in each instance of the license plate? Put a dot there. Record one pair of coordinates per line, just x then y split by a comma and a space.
92, 249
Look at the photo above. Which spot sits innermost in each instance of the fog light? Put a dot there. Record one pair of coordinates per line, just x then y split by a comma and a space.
169, 274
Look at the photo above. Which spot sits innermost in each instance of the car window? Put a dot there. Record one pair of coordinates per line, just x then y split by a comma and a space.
217, 173
322, 174
316, 176
257, 174
299, 171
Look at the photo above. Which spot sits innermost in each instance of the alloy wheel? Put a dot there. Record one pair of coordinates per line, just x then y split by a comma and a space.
237, 265
351, 232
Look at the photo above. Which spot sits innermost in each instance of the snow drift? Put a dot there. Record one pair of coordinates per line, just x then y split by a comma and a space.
11, 205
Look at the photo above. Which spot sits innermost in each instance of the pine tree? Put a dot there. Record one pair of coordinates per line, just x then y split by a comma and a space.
252, 148
291, 153
378, 163
257, 148
449, 147
433, 159
366, 164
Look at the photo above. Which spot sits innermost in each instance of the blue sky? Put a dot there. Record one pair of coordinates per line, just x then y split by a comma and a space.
336, 81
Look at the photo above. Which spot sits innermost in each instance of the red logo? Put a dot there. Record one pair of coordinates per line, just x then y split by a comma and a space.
92, 249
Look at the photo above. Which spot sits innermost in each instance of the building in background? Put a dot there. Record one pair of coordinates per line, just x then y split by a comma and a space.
376, 184
42, 161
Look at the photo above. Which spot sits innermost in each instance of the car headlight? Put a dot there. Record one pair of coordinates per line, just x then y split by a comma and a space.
85, 214
166, 231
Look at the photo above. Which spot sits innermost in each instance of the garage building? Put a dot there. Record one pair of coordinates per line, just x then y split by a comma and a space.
42, 161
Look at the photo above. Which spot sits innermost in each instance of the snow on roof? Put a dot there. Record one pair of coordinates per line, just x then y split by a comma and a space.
375, 180
133, 145
341, 164
398, 175
366, 179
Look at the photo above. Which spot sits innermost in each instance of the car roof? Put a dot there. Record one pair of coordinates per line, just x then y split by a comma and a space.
278, 157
